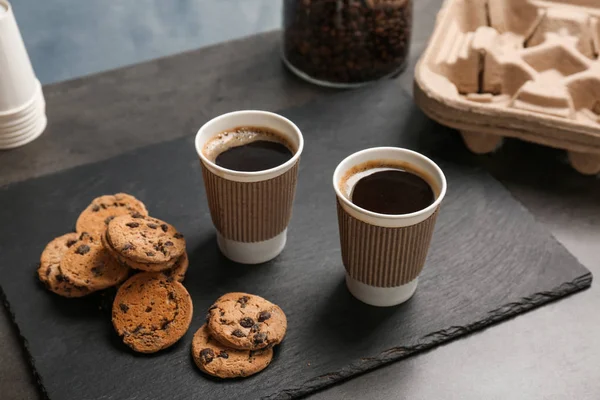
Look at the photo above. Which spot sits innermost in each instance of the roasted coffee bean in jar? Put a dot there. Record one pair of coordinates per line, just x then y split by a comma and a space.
346, 43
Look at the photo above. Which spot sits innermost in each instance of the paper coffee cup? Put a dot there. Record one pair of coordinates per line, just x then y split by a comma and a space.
384, 254
17, 78
250, 210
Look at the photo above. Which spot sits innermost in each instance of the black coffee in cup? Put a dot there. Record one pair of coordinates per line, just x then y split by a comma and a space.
385, 188
249, 149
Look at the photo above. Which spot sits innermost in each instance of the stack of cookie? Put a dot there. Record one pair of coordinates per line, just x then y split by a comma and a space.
116, 238
76, 264
238, 337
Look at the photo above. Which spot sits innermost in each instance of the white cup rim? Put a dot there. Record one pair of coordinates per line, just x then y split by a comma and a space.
429, 209
249, 174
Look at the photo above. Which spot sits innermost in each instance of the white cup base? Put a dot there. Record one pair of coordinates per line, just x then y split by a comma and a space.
381, 296
252, 253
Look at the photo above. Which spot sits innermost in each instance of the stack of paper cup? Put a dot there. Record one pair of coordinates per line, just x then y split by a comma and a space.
22, 105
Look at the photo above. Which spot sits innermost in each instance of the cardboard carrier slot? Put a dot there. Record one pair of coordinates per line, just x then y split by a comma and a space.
517, 68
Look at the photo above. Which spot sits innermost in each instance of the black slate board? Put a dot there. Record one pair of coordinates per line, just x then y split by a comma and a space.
489, 261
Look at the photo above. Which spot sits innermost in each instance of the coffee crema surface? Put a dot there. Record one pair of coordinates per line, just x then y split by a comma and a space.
387, 188
249, 149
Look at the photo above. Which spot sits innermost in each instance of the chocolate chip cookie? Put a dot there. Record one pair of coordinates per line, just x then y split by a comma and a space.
137, 265
220, 361
88, 264
245, 321
145, 240
96, 216
49, 270
178, 271
151, 312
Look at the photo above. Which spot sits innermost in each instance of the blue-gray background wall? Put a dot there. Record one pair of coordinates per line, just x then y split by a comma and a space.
70, 38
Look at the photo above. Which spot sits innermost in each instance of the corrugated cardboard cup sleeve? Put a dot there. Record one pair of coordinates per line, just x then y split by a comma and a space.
250, 212
383, 257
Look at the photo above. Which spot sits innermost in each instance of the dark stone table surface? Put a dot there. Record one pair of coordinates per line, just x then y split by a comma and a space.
550, 353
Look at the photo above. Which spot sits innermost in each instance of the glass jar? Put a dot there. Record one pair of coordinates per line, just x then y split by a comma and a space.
346, 43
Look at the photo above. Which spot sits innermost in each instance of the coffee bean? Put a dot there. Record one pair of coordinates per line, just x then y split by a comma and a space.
347, 41
246, 322
83, 249
238, 333
207, 355
132, 224
263, 316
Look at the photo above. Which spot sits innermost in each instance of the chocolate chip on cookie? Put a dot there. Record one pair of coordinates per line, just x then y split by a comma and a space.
88, 264
141, 240
49, 270
220, 361
151, 312
245, 321
104, 208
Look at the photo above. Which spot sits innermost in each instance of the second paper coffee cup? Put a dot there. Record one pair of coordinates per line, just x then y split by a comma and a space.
384, 253
250, 209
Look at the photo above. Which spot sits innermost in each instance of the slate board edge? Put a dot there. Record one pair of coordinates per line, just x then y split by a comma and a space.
435, 339
394, 354
36, 376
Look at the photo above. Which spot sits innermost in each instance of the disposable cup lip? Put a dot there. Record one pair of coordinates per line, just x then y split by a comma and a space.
206, 131
25, 118
27, 137
25, 107
24, 131
18, 130
352, 160
18, 123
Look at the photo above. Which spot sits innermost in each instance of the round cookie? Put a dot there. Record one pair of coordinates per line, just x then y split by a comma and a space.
223, 362
178, 271
49, 270
137, 265
145, 240
89, 264
102, 209
151, 312
247, 322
